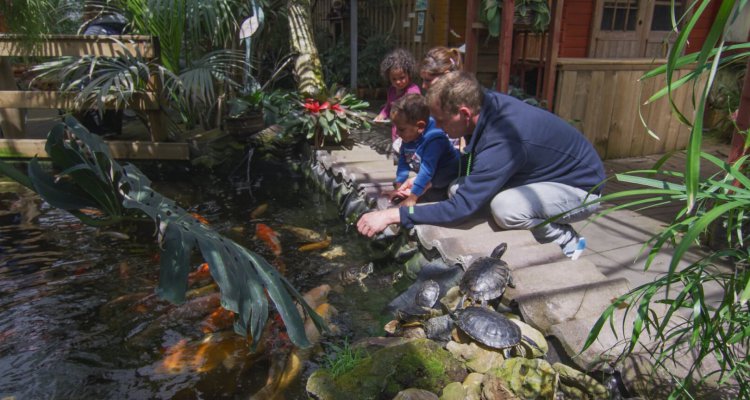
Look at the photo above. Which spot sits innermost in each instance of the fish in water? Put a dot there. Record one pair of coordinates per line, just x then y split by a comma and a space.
269, 237
200, 218
219, 319
258, 211
304, 234
316, 246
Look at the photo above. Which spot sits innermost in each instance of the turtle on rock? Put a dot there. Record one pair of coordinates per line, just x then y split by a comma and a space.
486, 278
488, 327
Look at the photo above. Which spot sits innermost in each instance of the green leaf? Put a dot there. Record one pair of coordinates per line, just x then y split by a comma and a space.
60, 194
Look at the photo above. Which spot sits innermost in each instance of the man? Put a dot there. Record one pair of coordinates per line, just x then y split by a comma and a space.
525, 162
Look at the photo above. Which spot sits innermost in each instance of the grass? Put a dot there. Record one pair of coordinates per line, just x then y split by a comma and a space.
342, 359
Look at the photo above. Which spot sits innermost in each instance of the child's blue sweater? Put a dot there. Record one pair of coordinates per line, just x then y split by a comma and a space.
432, 157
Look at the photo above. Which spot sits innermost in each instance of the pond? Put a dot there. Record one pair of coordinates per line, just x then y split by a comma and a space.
78, 314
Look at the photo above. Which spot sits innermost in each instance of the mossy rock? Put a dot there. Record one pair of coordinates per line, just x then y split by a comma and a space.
420, 364
529, 378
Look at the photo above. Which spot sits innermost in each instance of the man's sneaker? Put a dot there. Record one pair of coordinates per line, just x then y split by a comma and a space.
575, 247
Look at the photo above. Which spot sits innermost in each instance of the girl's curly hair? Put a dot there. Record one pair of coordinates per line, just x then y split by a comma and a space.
398, 59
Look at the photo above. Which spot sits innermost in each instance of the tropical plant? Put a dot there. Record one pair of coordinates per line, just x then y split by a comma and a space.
674, 310
48, 16
534, 13
89, 184
329, 118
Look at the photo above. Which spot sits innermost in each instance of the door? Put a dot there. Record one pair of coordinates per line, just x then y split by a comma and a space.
632, 28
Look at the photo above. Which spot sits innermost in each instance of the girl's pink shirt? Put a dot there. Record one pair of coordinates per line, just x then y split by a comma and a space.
393, 95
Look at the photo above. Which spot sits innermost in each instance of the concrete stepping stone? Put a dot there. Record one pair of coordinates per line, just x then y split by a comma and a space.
519, 257
547, 308
608, 346
557, 275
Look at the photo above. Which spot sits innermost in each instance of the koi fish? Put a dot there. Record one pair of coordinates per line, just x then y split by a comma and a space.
200, 218
219, 319
316, 246
304, 234
258, 211
199, 274
269, 237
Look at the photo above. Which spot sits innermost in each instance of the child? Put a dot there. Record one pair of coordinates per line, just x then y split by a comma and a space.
425, 150
397, 68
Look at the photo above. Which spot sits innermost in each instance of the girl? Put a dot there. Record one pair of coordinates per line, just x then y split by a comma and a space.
397, 68
437, 62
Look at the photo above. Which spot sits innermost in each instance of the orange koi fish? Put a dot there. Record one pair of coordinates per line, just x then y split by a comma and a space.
199, 274
269, 237
317, 245
219, 319
200, 218
258, 211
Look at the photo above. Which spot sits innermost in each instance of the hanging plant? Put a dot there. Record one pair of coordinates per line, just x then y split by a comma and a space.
533, 13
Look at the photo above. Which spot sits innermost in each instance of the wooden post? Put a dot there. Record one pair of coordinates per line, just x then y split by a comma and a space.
553, 50
743, 121
353, 43
12, 120
505, 50
470, 58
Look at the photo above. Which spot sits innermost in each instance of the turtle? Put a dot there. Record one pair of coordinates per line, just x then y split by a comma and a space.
488, 327
427, 294
486, 278
356, 274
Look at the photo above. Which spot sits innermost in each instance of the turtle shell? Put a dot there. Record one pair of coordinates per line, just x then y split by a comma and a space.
488, 327
427, 294
485, 279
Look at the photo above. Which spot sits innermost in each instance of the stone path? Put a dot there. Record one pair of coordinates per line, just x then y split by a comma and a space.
560, 297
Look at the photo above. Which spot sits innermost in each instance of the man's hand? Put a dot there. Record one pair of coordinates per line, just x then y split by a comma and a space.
372, 223
410, 200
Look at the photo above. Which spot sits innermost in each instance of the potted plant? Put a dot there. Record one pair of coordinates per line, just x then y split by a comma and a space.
533, 14
245, 116
327, 120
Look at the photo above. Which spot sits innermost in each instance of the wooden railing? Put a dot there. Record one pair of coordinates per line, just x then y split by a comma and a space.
604, 99
15, 141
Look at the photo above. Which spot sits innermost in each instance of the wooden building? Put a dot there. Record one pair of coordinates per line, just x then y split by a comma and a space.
585, 68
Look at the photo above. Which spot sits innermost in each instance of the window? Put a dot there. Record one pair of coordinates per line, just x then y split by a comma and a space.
620, 15
662, 20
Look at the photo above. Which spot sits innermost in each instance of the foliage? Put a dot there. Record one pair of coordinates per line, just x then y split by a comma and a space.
333, 117
89, 182
48, 16
709, 329
343, 359
536, 12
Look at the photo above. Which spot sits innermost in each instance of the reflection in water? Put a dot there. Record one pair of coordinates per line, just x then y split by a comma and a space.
79, 318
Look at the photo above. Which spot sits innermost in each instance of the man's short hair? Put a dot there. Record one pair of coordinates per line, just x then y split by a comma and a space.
412, 106
455, 90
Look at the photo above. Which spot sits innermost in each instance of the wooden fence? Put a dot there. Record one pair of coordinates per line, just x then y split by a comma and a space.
603, 98
412, 28
15, 142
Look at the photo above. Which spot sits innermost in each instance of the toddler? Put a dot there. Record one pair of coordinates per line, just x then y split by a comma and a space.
397, 68
425, 149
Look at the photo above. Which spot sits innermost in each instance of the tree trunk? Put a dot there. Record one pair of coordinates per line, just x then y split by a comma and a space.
307, 68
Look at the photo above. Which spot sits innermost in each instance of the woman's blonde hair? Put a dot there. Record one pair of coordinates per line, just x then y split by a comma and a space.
440, 60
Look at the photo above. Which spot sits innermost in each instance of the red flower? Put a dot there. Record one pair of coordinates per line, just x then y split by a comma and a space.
312, 106
338, 109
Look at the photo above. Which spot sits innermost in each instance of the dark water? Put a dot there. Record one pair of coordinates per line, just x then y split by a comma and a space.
78, 318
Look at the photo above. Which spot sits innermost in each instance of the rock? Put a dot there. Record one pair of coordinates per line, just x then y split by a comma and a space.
419, 364
476, 358
529, 379
473, 386
533, 344
494, 389
571, 378
454, 391
415, 394
451, 298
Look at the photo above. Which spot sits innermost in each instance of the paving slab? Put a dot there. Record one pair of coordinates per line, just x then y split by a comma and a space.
554, 276
545, 309
519, 257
